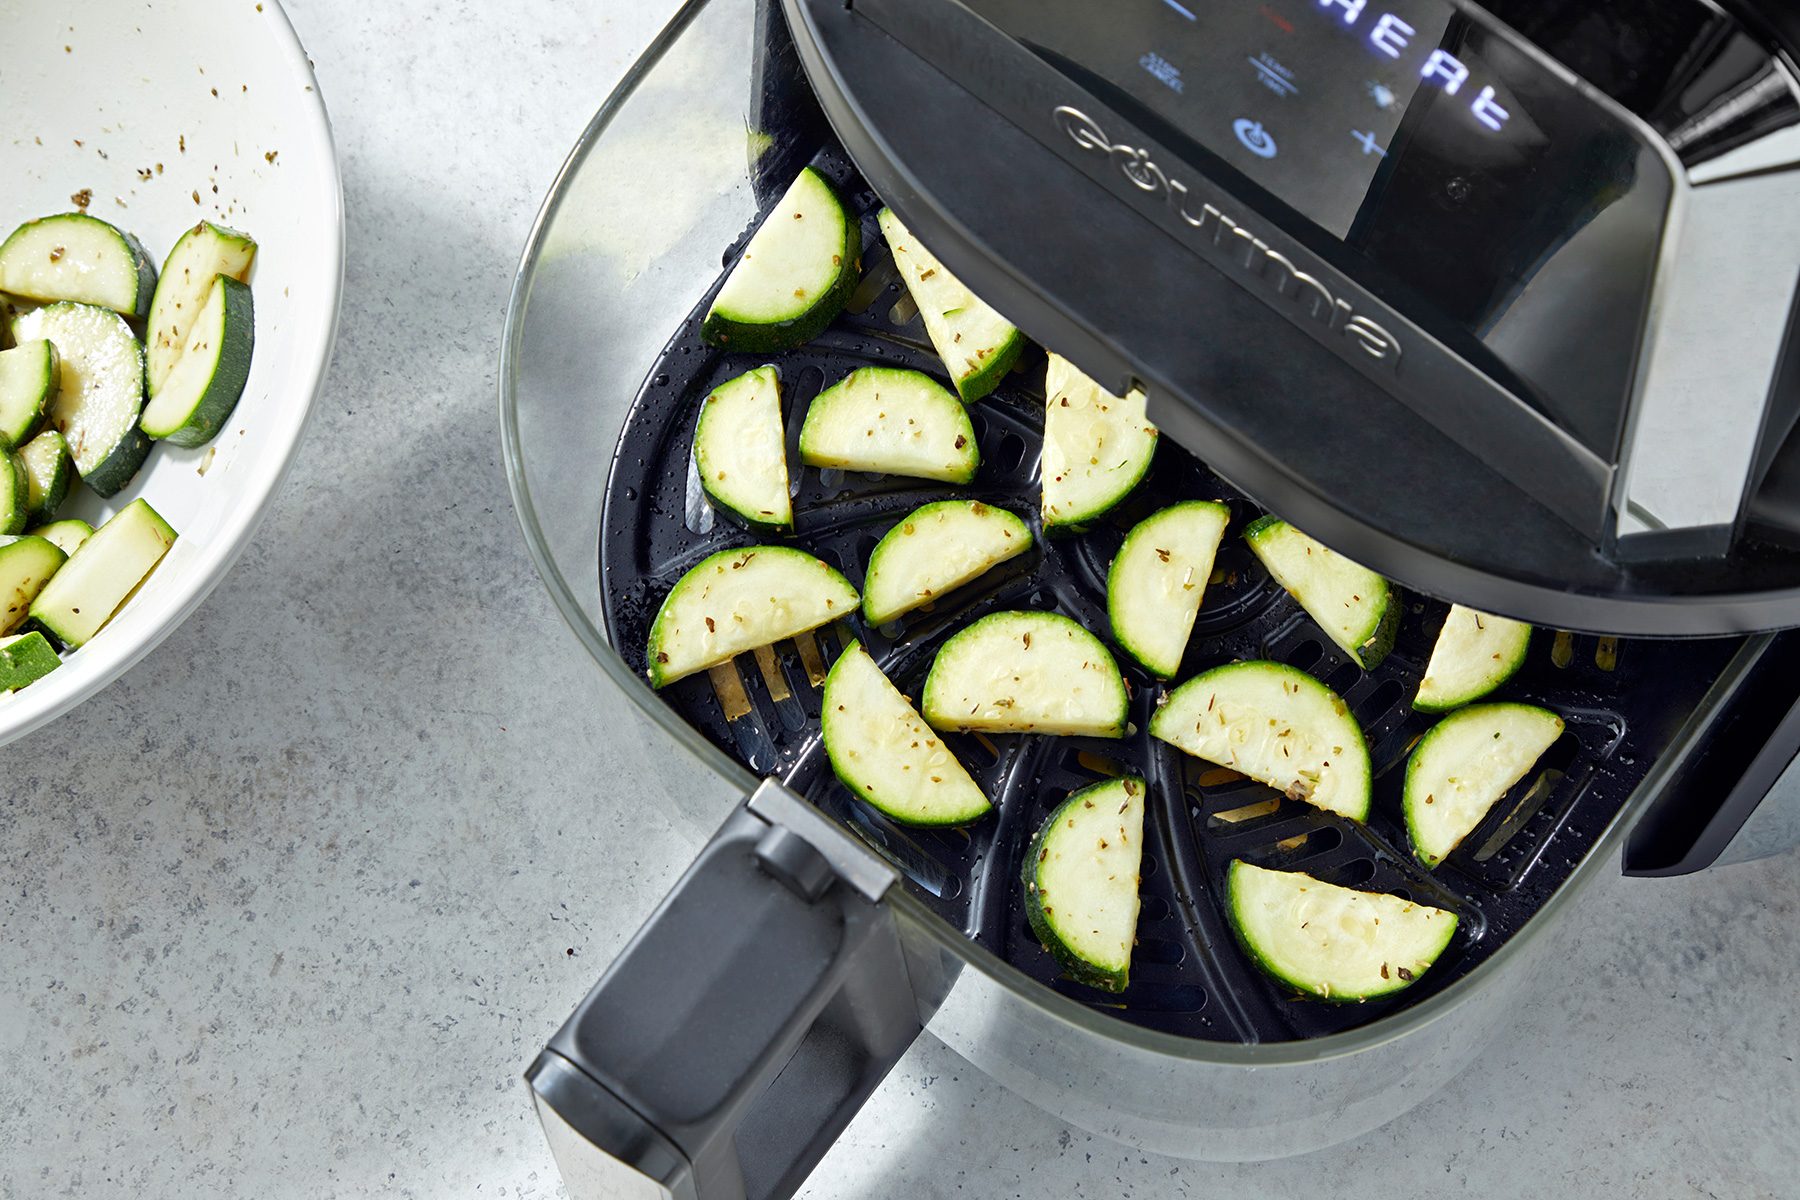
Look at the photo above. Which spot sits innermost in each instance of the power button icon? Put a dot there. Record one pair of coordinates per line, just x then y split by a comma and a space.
1256, 139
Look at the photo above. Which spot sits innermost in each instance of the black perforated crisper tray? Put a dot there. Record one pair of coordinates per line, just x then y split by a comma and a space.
1622, 702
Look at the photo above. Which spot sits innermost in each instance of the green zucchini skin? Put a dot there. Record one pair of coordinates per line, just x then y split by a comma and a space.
25, 659
769, 337
196, 418
1111, 797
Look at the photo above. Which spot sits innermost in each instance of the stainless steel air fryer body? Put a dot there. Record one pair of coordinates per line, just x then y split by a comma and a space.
790, 968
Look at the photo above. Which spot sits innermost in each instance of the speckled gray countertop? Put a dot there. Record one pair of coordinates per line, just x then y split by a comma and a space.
287, 910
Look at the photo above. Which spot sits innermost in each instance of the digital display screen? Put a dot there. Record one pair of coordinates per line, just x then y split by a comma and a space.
1449, 172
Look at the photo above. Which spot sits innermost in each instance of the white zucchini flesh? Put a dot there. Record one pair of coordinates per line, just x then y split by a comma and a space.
83, 596
883, 751
1026, 672
890, 421
936, 549
740, 449
1355, 607
26, 565
977, 344
1474, 654
200, 255
1082, 874
737, 600
1097, 446
29, 375
101, 392
1465, 765
1158, 579
72, 256
1277, 725
1332, 942
66, 535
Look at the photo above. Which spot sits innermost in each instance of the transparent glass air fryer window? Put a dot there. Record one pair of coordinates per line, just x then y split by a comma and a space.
1455, 176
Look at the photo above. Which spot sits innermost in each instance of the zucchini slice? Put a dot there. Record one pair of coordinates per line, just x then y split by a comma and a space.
1474, 654
740, 450
1155, 585
1097, 446
885, 753
1276, 724
83, 596
200, 255
800, 267
1026, 672
1356, 608
15, 494
199, 392
1332, 942
977, 344
1081, 881
25, 658
72, 256
737, 600
936, 549
891, 421
66, 535
101, 391
48, 473
1464, 765
26, 565
29, 375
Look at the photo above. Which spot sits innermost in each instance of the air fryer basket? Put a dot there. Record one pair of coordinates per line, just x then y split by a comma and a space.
1622, 702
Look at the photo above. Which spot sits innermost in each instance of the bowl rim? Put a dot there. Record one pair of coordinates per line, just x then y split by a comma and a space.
104, 662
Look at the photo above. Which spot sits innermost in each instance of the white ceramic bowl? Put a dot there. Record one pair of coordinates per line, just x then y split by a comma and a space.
168, 113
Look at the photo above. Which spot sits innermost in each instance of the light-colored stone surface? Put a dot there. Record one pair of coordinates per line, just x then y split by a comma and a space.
287, 910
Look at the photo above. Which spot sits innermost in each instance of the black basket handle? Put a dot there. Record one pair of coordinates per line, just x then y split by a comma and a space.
1737, 795
743, 1027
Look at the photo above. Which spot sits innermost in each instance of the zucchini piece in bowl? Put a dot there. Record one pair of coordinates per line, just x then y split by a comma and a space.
1097, 447
48, 473
740, 450
15, 494
800, 267
29, 376
1026, 672
1474, 654
1332, 942
25, 658
200, 255
26, 565
101, 392
884, 752
66, 535
200, 391
1464, 765
1158, 579
72, 256
737, 600
936, 549
1357, 609
1276, 724
891, 421
83, 596
1081, 881
977, 344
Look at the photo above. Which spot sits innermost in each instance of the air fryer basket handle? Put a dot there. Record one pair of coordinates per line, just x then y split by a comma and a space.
741, 1029
1737, 795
